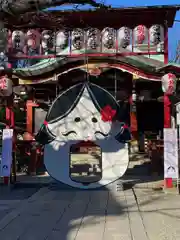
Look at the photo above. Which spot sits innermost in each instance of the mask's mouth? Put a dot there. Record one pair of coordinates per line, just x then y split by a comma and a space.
103, 134
68, 133
85, 165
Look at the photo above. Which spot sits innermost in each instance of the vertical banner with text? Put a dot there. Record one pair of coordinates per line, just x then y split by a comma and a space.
170, 153
7, 145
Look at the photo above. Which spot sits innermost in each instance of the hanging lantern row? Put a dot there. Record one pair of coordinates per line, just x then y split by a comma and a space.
78, 38
169, 81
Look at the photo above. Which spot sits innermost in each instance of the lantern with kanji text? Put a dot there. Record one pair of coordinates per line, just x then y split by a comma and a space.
169, 83
140, 34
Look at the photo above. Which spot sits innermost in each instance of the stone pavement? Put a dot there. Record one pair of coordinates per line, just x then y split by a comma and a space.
54, 213
160, 214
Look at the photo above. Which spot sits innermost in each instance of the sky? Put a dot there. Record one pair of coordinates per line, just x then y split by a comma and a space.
174, 32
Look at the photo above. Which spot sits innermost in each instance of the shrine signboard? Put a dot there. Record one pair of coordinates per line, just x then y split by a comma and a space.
6, 160
171, 169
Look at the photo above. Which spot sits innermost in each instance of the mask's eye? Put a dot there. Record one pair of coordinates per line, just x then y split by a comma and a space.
94, 120
77, 119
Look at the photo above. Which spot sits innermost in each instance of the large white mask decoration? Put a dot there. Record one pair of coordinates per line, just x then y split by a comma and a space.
85, 113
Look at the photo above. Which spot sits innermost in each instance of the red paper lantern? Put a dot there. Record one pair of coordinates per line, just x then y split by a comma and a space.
140, 34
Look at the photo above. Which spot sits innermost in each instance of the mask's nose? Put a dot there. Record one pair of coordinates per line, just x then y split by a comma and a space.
86, 133
87, 136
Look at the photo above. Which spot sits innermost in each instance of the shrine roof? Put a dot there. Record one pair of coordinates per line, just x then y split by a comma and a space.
30, 16
49, 67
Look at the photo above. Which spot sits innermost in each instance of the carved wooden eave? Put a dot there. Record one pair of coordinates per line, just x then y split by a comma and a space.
11, 7
139, 67
53, 66
33, 16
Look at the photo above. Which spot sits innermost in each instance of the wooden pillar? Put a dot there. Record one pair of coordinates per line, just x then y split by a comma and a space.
132, 101
168, 182
29, 116
29, 128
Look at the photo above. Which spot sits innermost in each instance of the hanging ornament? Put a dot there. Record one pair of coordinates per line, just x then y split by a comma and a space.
61, 40
123, 37
169, 83
93, 37
18, 40
77, 38
156, 34
108, 38
140, 34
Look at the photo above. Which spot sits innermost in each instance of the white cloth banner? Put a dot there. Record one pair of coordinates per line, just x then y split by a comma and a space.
7, 140
170, 153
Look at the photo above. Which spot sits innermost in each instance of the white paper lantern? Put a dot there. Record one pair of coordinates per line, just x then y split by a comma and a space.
108, 38
169, 83
156, 34
61, 40
33, 38
77, 39
93, 38
47, 42
123, 37
18, 40
140, 34
5, 86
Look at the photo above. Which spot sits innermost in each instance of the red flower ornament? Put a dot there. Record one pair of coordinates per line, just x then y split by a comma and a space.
125, 126
107, 114
45, 123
